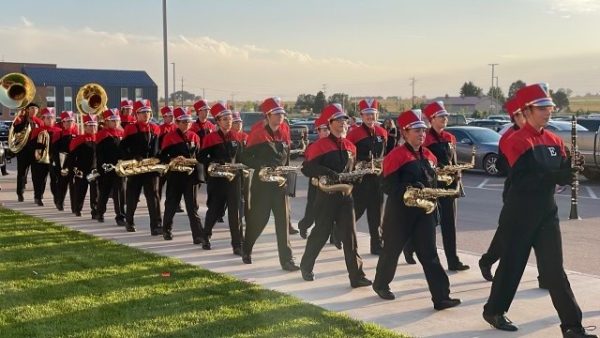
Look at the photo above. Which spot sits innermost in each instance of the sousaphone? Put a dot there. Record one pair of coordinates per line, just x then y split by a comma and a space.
16, 92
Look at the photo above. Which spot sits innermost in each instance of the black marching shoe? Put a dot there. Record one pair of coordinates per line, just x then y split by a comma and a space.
206, 244
334, 240
376, 248
303, 232
500, 322
290, 266
459, 266
292, 231
121, 222
78, 213
578, 333
486, 271
237, 251
38, 201
94, 216
167, 235
409, 258
220, 220
446, 304
308, 276
156, 232
179, 209
130, 228
20, 198
542, 284
100, 218
386, 294
246, 258
360, 282
59, 207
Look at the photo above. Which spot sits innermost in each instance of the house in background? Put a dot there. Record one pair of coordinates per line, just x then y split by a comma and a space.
466, 105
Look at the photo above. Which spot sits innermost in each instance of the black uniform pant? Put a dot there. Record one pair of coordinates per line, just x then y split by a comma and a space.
149, 182
39, 176
178, 185
531, 224
264, 198
333, 209
309, 212
63, 184
111, 185
24, 160
224, 193
80, 190
401, 223
368, 197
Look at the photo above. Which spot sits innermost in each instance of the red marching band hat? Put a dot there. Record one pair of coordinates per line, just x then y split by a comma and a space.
142, 106
67, 115
272, 105
220, 109
48, 111
321, 123
166, 110
537, 95
513, 106
411, 119
111, 115
126, 104
368, 105
201, 105
435, 109
332, 112
237, 117
182, 114
90, 120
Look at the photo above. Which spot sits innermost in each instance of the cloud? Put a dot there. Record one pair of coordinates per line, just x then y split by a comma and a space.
575, 6
26, 22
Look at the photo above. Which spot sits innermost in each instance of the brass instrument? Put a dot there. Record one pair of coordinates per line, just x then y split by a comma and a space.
227, 170
91, 99
574, 152
77, 173
125, 168
344, 182
425, 198
376, 165
277, 174
43, 155
447, 174
186, 165
92, 176
16, 92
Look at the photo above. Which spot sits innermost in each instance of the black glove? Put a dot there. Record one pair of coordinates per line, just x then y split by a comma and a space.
418, 185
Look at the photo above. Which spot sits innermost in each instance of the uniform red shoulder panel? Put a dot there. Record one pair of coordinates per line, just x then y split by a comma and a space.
380, 131
166, 128
400, 156
356, 134
130, 129
211, 140
170, 139
108, 132
502, 143
80, 139
320, 147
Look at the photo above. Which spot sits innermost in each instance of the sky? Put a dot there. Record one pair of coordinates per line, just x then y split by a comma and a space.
260, 48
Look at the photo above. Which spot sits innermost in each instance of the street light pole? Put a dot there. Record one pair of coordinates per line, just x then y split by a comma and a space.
165, 54
493, 65
174, 89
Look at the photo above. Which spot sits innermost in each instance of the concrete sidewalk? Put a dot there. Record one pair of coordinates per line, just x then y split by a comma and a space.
411, 313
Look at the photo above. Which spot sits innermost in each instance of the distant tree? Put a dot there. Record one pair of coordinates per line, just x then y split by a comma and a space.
246, 106
514, 87
496, 93
560, 98
340, 98
320, 103
179, 95
470, 89
476, 114
305, 101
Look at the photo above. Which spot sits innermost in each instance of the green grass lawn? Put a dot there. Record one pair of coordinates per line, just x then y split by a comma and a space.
55, 282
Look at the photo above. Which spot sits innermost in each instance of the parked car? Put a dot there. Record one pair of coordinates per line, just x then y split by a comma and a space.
499, 117
299, 140
494, 125
553, 125
312, 132
485, 142
3, 133
249, 119
2, 157
592, 124
456, 120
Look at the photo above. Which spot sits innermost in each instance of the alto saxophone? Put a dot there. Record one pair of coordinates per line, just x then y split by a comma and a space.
126, 168
343, 183
376, 165
185, 165
425, 198
227, 170
447, 174
276, 174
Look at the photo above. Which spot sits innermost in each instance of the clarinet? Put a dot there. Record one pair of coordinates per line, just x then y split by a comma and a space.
575, 184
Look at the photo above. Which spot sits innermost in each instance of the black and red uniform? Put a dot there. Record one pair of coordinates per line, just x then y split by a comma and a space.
25, 156
309, 211
405, 167
330, 156
202, 129
82, 157
60, 145
175, 144
370, 144
127, 120
140, 141
538, 162
109, 183
165, 128
267, 148
40, 171
224, 148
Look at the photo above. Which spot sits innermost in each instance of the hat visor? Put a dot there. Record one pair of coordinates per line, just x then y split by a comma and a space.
369, 111
185, 118
113, 118
416, 125
545, 102
225, 113
237, 120
144, 110
68, 119
441, 113
339, 115
277, 111
91, 123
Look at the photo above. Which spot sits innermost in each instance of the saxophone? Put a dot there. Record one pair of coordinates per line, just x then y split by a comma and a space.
376, 165
227, 170
185, 165
447, 174
425, 198
276, 174
125, 168
344, 182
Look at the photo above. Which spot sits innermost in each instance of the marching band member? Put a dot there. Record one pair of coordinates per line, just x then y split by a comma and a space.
109, 152
410, 165
202, 126
182, 143
60, 146
39, 170
126, 113
370, 140
140, 141
331, 156
268, 146
237, 126
166, 127
224, 146
538, 162
28, 116
80, 161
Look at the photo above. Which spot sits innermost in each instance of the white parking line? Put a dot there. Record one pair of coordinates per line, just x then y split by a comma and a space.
482, 184
592, 196
591, 193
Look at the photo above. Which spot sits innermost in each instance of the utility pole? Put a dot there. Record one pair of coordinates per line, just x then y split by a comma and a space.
325, 90
233, 101
165, 54
174, 89
182, 91
203, 94
493, 65
412, 83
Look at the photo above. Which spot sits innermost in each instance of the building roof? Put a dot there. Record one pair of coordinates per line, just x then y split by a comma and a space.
78, 77
461, 100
